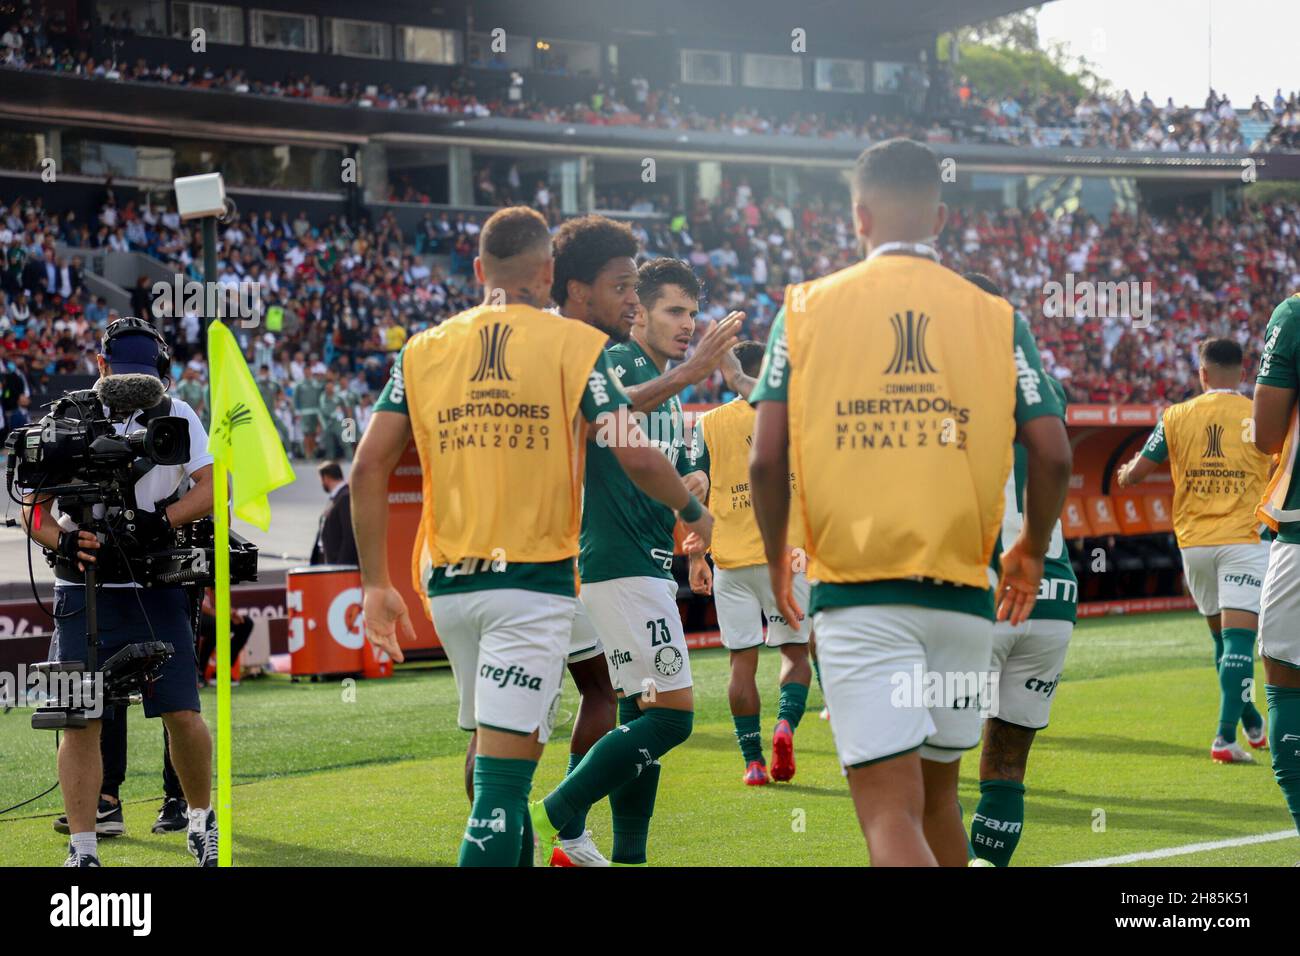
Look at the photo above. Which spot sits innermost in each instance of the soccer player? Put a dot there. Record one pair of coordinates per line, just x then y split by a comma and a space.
895, 389
1219, 476
497, 399
1027, 661
742, 593
598, 256
626, 557
1277, 432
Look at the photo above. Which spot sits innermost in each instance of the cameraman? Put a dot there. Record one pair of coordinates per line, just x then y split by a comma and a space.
128, 613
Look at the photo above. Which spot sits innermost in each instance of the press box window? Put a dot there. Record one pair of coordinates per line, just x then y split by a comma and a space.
840, 76
706, 67
219, 23
283, 31
426, 45
773, 72
357, 38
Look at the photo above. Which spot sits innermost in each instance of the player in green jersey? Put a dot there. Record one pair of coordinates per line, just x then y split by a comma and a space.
1277, 432
627, 540
496, 617
1027, 660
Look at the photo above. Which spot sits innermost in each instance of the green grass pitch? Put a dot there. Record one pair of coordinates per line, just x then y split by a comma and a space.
325, 782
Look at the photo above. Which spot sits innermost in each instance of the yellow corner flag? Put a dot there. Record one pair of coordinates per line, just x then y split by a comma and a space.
243, 443
243, 435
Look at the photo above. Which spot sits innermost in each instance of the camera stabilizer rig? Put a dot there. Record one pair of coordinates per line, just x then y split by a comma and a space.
74, 457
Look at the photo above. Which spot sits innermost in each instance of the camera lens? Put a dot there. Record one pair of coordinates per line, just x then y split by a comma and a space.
167, 441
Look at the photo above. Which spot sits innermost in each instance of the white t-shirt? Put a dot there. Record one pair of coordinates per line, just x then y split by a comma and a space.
161, 480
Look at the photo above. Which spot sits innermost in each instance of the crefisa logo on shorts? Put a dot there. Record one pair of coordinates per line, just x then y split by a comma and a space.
1245, 580
513, 675
950, 690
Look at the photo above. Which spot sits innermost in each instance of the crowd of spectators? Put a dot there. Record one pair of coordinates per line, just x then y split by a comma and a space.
959, 112
1099, 121
339, 299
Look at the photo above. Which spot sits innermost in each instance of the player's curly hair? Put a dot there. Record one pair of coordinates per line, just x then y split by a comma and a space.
583, 246
654, 275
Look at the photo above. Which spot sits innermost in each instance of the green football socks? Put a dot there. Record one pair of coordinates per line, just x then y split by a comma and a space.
633, 804
1284, 742
995, 828
794, 699
750, 737
618, 757
1251, 718
1236, 668
494, 832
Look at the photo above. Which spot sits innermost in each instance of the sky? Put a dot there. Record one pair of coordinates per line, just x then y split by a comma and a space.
1178, 47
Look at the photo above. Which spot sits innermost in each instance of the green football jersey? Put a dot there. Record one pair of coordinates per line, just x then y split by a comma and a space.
1279, 366
1058, 594
625, 532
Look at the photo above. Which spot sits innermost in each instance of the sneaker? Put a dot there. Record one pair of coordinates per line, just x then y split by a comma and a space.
782, 752
80, 859
755, 774
580, 851
108, 821
172, 817
825, 714
203, 843
1223, 752
1258, 738
977, 861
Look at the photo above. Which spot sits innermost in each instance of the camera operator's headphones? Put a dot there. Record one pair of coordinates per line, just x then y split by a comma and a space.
133, 326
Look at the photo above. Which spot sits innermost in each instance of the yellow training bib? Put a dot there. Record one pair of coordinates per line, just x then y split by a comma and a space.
902, 399
1219, 476
729, 434
494, 396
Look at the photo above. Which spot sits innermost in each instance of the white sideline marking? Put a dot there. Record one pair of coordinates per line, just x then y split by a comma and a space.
1184, 850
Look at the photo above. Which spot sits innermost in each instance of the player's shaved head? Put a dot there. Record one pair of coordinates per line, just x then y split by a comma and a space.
750, 355
512, 233
514, 255
896, 193
1222, 353
1221, 363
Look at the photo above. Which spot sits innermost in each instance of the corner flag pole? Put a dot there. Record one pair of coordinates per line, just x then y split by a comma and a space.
221, 549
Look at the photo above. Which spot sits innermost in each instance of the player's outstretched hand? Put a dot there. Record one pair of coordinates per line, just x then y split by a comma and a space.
715, 344
383, 612
701, 576
1018, 586
782, 577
